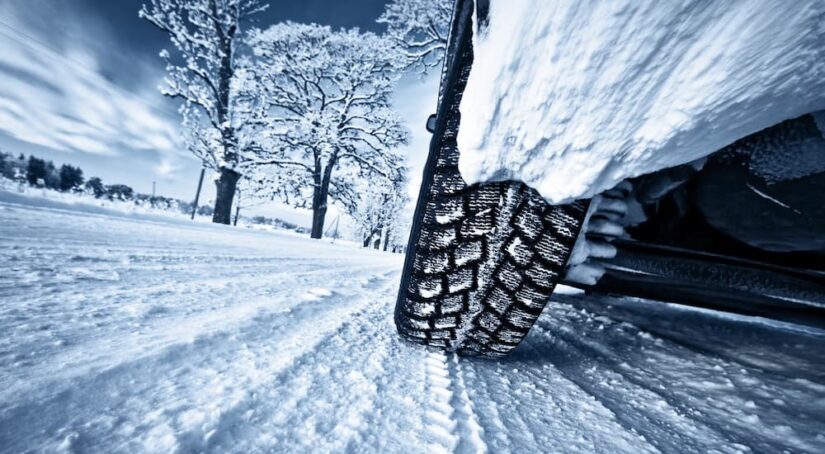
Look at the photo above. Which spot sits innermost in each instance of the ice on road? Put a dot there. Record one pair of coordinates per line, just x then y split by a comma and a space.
131, 334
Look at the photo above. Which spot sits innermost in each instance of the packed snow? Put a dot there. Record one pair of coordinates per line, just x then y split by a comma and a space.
130, 333
572, 97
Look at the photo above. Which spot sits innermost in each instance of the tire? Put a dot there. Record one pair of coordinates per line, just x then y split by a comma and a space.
482, 260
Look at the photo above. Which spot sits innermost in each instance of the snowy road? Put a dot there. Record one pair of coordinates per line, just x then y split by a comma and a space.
122, 334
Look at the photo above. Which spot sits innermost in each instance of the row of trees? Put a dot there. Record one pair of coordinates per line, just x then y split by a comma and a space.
41, 173
299, 113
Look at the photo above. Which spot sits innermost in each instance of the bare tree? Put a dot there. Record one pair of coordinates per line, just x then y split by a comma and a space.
419, 28
329, 119
206, 74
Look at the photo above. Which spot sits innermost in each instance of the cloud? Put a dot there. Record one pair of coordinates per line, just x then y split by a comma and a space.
56, 92
167, 168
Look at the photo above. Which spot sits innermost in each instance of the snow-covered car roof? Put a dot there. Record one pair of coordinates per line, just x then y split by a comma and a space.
572, 96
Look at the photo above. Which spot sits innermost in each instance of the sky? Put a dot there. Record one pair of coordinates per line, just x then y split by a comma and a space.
79, 84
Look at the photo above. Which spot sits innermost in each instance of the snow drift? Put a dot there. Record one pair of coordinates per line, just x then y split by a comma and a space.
572, 97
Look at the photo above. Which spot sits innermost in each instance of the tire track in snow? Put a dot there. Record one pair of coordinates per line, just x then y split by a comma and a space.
541, 410
320, 404
137, 405
638, 409
356, 389
470, 431
489, 417
683, 382
97, 346
711, 334
385, 396
440, 424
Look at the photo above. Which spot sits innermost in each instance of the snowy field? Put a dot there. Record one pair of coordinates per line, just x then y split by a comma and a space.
137, 334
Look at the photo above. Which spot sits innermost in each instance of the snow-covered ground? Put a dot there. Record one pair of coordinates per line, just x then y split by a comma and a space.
137, 334
573, 96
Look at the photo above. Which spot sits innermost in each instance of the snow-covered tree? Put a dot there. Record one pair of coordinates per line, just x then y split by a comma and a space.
329, 119
398, 232
205, 75
202, 140
379, 212
419, 28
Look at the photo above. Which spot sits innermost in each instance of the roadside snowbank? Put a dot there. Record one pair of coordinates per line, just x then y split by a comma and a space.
572, 97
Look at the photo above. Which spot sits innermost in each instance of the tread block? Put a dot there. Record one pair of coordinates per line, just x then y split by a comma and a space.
499, 349
481, 223
428, 287
549, 248
521, 252
417, 324
489, 321
498, 300
510, 335
469, 252
448, 182
447, 321
435, 262
509, 276
453, 304
521, 318
448, 157
442, 334
481, 338
460, 280
449, 210
532, 298
560, 221
419, 309
541, 276
437, 238
484, 197
529, 222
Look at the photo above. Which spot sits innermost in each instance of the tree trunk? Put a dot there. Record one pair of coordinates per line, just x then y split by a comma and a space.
378, 232
320, 194
386, 241
225, 192
367, 240
319, 212
228, 180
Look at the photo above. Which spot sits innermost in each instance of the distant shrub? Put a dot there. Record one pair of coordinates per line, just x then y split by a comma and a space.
52, 178
95, 187
205, 210
119, 192
36, 171
70, 177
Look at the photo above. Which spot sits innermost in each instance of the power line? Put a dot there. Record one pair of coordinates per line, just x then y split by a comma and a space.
53, 52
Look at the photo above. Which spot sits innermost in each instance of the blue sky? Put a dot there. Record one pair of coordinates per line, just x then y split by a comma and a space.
79, 85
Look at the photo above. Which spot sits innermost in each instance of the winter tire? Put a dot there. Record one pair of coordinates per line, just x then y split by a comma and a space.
482, 260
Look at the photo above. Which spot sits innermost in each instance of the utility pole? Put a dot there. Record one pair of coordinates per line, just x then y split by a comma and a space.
198, 192
335, 233
237, 207
334, 228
